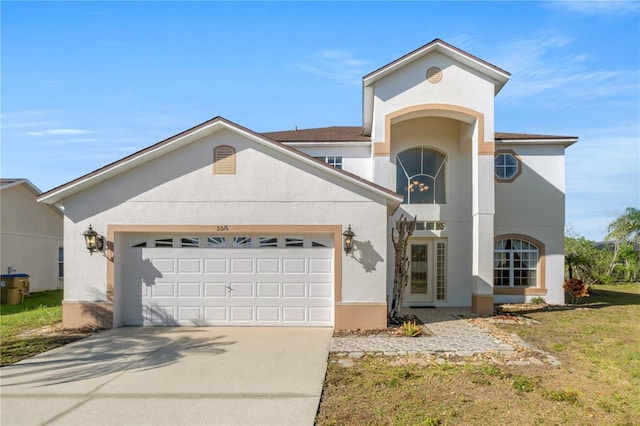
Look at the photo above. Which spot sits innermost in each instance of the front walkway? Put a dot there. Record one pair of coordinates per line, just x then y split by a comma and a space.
453, 339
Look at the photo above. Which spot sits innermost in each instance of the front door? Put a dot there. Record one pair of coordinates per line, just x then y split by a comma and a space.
420, 287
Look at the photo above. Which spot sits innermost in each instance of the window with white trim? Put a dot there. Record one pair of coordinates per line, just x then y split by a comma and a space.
515, 263
420, 176
60, 262
441, 270
332, 160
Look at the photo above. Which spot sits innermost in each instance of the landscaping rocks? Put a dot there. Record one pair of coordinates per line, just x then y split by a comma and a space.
453, 336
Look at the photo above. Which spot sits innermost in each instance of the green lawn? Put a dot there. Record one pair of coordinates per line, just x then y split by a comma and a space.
17, 321
598, 381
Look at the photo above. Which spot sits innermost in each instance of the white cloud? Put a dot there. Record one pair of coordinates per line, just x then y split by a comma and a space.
28, 119
57, 132
339, 65
547, 73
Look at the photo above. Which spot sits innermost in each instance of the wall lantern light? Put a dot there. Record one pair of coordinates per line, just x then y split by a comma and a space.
93, 240
348, 240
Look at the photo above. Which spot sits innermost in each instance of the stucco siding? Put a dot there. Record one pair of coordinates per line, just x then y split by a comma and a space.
356, 160
408, 86
267, 189
31, 237
534, 205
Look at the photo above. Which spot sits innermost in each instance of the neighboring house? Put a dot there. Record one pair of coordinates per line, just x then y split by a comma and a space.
31, 240
220, 225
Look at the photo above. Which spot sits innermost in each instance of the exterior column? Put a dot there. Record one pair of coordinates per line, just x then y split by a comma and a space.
483, 229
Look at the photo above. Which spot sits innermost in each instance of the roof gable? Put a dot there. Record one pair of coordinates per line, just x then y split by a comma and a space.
193, 134
498, 76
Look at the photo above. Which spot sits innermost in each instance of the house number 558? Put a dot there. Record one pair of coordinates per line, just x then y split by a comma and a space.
222, 227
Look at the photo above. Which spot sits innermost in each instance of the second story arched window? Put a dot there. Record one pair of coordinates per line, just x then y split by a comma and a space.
420, 176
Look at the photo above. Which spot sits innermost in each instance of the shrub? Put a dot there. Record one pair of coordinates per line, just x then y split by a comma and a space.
411, 329
537, 300
576, 288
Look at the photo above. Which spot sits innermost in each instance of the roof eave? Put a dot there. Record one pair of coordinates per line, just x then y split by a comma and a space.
58, 194
566, 142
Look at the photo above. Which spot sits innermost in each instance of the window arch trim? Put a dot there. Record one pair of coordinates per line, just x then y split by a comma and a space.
540, 288
430, 180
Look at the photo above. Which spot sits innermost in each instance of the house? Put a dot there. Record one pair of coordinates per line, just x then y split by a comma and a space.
31, 235
220, 225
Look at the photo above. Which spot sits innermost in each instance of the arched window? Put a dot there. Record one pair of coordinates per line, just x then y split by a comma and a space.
224, 160
515, 263
420, 176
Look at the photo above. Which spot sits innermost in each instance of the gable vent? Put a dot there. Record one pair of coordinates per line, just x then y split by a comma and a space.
224, 160
434, 75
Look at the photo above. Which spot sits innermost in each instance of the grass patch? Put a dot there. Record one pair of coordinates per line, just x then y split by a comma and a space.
598, 381
20, 326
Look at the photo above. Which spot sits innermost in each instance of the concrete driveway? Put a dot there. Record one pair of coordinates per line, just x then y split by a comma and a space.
171, 376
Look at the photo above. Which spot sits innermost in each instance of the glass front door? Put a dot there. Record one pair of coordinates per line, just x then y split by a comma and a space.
420, 286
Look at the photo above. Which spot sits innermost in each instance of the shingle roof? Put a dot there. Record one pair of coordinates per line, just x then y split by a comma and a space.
56, 194
442, 43
321, 134
519, 136
354, 134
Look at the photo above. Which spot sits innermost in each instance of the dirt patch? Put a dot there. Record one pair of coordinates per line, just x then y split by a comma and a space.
58, 329
394, 329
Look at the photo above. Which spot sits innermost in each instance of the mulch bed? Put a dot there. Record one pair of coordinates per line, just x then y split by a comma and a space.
394, 329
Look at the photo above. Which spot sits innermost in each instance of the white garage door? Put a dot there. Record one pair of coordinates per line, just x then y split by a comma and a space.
229, 280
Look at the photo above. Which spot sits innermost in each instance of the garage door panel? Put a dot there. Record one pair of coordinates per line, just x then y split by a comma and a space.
294, 290
224, 286
320, 266
294, 314
215, 290
294, 266
215, 315
268, 314
163, 266
319, 314
241, 290
189, 290
241, 266
164, 290
241, 314
267, 290
189, 266
189, 314
160, 315
321, 290
215, 266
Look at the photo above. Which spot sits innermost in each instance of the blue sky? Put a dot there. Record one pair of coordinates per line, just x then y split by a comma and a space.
86, 83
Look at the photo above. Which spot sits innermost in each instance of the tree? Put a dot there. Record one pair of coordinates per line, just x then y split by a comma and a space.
585, 261
404, 230
624, 232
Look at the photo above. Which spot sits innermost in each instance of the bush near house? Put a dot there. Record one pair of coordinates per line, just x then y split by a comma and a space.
616, 259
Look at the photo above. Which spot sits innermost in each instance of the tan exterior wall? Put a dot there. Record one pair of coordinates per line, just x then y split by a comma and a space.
365, 316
